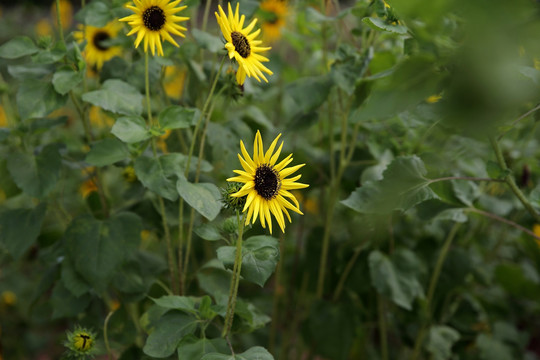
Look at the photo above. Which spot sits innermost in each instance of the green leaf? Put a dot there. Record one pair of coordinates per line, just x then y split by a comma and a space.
411, 82
36, 175
349, 68
382, 25
157, 177
96, 14
72, 280
37, 99
116, 96
203, 197
492, 349
192, 348
18, 47
214, 279
207, 41
401, 286
177, 117
260, 255
402, 187
65, 304
513, 279
208, 232
440, 340
183, 303
130, 129
254, 353
307, 94
107, 152
252, 318
98, 247
65, 79
168, 333
19, 228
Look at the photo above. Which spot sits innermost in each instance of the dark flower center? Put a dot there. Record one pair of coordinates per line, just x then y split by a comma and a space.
99, 38
154, 18
267, 182
241, 44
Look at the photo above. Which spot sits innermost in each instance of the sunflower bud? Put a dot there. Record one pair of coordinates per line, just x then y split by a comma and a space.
233, 202
81, 343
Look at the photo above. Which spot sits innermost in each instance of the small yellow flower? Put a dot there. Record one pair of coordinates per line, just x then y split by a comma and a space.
242, 45
266, 184
80, 342
129, 174
273, 15
99, 118
154, 21
173, 81
3, 117
66, 13
97, 50
161, 142
433, 99
88, 187
536, 231
43, 28
8, 298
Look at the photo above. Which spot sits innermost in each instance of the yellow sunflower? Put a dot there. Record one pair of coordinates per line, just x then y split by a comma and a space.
273, 17
97, 49
266, 184
242, 44
154, 20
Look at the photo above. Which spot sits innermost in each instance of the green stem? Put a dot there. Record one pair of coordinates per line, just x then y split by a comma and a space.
235, 281
59, 20
326, 240
277, 295
383, 335
345, 274
205, 14
431, 291
503, 220
464, 178
147, 87
170, 251
511, 182
105, 336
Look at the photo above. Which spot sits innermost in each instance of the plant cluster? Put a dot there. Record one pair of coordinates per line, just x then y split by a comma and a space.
139, 202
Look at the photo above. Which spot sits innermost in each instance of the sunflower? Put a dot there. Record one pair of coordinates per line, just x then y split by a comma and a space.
154, 20
97, 49
273, 17
241, 44
266, 185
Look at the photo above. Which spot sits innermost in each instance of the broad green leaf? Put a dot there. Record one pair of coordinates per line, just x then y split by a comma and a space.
178, 117
350, 67
36, 175
400, 286
203, 197
534, 197
207, 41
65, 304
18, 47
440, 341
130, 129
254, 353
493, 349
382, 25
19, 228
96, 14
513, 279
251, 317
38, 99
72, 281
30, 71
307, 94
260, 255
214, 279
411, 82
65, 79
403, 186
47, 123
192, 348
183, 303
208, 232
116, 96
98, 247
168, 333
107, 152
155, 176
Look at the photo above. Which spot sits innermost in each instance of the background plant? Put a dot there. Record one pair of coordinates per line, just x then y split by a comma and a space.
417, 122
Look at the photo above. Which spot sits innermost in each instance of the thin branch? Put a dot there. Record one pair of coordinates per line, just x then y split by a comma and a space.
503, 220
465, 178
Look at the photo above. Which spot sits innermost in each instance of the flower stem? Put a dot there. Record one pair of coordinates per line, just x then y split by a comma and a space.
503, 220
105, 336
59, 20
431, 291
346, 272
170, 252
511, 182
235, 280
